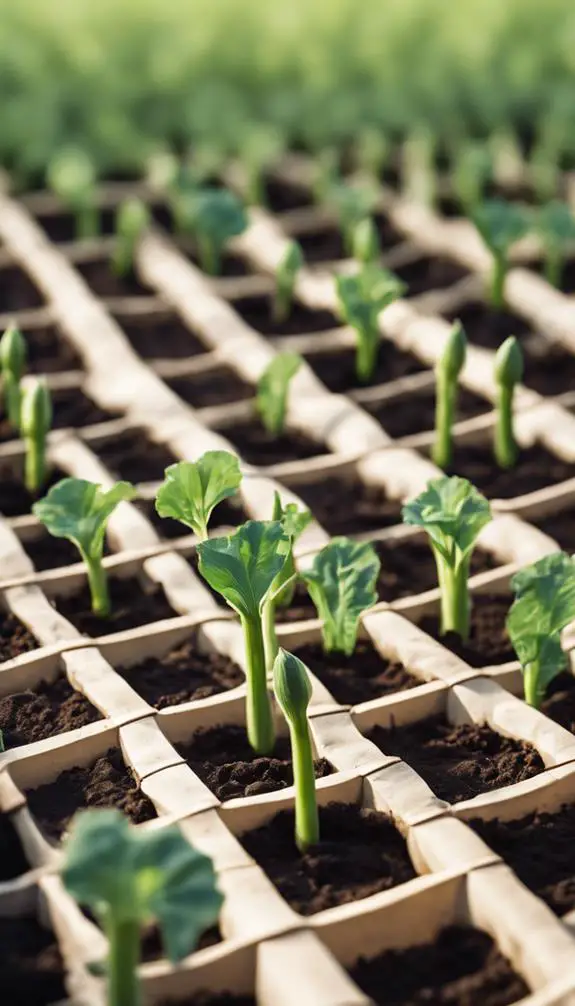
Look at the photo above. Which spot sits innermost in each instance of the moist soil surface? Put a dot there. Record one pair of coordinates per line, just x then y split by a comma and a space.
337, 369
15, 499
487, 327
161, 338
539, 848
224, 760
459, 762
131, 606
488, 641
13, 862
559, 702
218, 386
281, 195
107, 782
185, 673
101, 278
462, 967
425, 274
49, 352
15, 638
559, 526
17, 292
535, 469
259, 447
343, 504
209, 999
47, 552
257, 312
408, 567
131, 456
360, 853
62, 226
50, 708
31, 964
415, 413
71, 409
363, 676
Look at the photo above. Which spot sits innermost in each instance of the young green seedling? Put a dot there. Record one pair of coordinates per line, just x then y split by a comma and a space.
79, 511
447, 374
326, 173
261, 147
131, 878
294, 523
544, 604
192, 489
508, 373
366, 247
452, 512
72, 176
555, 226
500, 224
362, 297
342, 585
472, 171
215, 216
132, 219
288, 267
292, 689
242, 568
13, 354
35, 422
350, 203
272, 392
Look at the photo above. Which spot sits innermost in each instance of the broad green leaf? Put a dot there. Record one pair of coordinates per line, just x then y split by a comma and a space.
555, 223
365, 294
294, 522
79, 510
341, 584
351, 203
192, 489
216, 213
243, 566
273, 387
500, 224
453, 512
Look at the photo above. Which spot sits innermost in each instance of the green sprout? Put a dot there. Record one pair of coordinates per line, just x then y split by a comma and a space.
191, 489
215, 216
555, 225
452, 512
472, 170
500, 224
132, 219
326, 173
287, 269
242, 568
372, 152
130, 878
272, 392
362, 297
342, 585
261, 148
294, 522
13, 353
35, 423
79, 511
447, 374
292, 689
508, 373
72, 176
351, 204
366, 247
544, 604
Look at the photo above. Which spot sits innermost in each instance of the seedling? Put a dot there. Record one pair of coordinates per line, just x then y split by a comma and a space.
215, 216
132, 219
288, 267
131, 878
366, 247
447, 374
500, 224
79, 511
472, 171
72, 176
326, 173
508, 374
544, 604
452, 512
341, 584
556, 227
261, 148
362, 297
242, 568
192, 489
35, 422
13, 353
292, 689
273, 387
294, 522
351, 204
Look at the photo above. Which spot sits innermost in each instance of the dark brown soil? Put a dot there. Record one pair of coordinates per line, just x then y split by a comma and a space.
50, 553
559, 703
228, 513
325, 245
408, 567
364, 676
224, 760
107, 782
15, 638
185, 673
13, 862
488, 641
459, 762
257, 312
539, 847
259, 447
360, 853
104, 282
231, 265
426, 274
559, 526
71, 409
301, 607
52, 707
15, 499
337, 369
62, 226
31, 964
208, 999
486, 327
343, 504
131, 606
17, 292
406, 416
535, 469
164, 338
281, 196
215, 387
49, 351
462, 967
131, 456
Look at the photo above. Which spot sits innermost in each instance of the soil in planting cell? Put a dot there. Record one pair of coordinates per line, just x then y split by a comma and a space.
231, 265
337, 369
131, 455
459, 762
47, 552
161, 338
282, 196
360, 853
363, 676
559, 702
102, 280
535, 469
15, 499
62, 227
324, 245
548, 368
228, 513
487, 327
343, 504
107, 782
408, 567
461, 967
49, 352
559, 526
212, 387
257, 312
50, 708
13, 862
184, 673
71, 408
15, 638
427, 274
539, 848
406, 416
224, 760
17, 292
488, 641
131, 605
30, 963
258, 446
211, 999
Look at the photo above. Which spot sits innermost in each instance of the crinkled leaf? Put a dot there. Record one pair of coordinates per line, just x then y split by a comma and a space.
273, 387
79, 510
500, 224
243, 566
192, 489
452, 511
341, 584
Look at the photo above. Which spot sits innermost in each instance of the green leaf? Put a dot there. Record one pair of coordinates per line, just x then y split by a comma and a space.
351, 203
79, 510
341, 584
453, 512
217, 214
273, 387
365, 294
555, 223
294, 522
192, 489
500, 224
243, 566
72, 176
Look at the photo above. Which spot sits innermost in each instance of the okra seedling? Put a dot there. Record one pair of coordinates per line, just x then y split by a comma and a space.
35, 423
131, 878
555, 225
544, 604
72, 176
192, 489
288, 267
452, 512
366, 247
242, 568
351, 204
216, 215
447, 374
273, 387
500, 224
294, 522
471, 172
361, 299
508, 373
292, 689
342, 585
132, 219
13, 354
79, 511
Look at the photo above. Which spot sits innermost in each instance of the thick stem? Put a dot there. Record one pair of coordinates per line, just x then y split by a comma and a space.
123, 958
505, 447
35, 464
498, 282
366, 354
13, 398
209, 255
446, 394
98, 582
455, 607
533, 692
271, 645
260, 725
306, 813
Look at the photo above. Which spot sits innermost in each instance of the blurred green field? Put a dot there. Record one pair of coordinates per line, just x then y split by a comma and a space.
122, 77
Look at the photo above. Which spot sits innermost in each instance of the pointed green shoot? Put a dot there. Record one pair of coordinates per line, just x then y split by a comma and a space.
447, 374
288, 267
13, 356
362, 297
501, 225
366, 247
192, 489
132, 219
273, 388
508, 372
72, 176
342, 585
35, 423
292, 689
555, 225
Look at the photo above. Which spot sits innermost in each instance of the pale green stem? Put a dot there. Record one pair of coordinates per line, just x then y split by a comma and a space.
306, 813
366, 353
505, 446
446, 395
260, 725
455, 606
98, 583
209, 255
123, 958
282, 301
533, 691
13, 397
271, 644
35, 464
